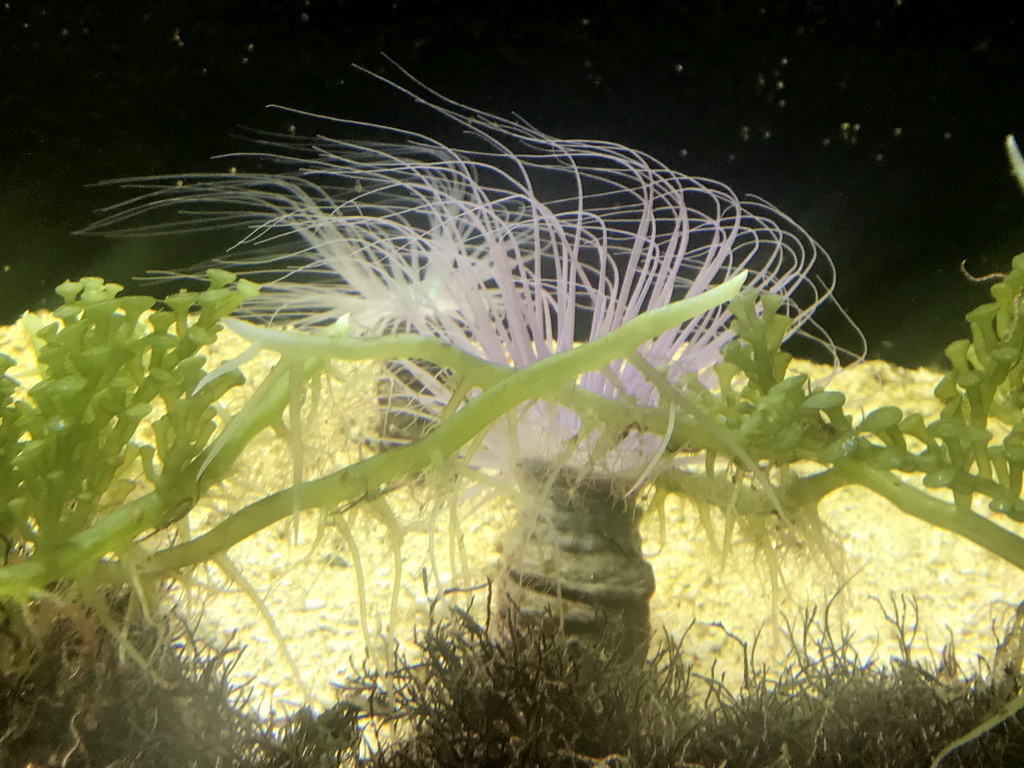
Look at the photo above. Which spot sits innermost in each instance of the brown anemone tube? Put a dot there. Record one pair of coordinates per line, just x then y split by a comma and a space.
574, 557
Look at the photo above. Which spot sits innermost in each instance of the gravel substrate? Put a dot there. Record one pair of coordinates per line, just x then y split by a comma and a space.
706, 588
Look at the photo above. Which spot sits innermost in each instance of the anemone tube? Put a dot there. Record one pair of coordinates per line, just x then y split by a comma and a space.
513, 249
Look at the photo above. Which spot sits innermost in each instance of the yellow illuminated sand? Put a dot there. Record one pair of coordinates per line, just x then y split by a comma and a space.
963, 593
311, 587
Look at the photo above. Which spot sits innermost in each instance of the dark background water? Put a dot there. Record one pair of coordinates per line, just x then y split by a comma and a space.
878, 126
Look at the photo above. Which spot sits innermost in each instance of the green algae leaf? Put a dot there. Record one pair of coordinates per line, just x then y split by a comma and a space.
71, 451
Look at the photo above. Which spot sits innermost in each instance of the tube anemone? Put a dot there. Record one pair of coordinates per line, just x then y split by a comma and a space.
512, 251
514, 247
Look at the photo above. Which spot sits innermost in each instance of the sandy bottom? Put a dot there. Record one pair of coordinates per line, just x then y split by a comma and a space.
710, 583
353, 585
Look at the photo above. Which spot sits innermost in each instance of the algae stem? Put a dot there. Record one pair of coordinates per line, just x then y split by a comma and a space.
87, 548
367, 478
941, 514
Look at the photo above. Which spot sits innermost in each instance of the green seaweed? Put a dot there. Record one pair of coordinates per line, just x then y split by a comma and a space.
82, 483
72, 460
75, 434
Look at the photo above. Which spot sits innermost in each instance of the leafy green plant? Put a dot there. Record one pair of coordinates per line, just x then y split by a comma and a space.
499, 390
74, 461
88, 484
78, 428
74, 456
763, 420
79, 480
760, 417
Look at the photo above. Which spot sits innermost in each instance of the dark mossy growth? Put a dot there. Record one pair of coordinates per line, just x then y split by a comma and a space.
308, 740
534, 701
831, 708
70, 696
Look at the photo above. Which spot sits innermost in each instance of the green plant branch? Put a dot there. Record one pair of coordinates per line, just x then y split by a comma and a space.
114, 531
942, 514
367, 478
